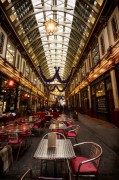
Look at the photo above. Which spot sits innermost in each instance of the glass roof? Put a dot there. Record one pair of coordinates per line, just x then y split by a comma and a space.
55, 46
64, 48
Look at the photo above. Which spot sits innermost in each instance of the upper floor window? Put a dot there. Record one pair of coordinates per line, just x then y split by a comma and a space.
115, 28
100, 89
102, 44
18, 61
2, 37
23, 66
27, 68
95, 54
83, 73
10, 54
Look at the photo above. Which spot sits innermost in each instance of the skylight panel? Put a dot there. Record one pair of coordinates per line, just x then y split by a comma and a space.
48, 2
44, 39
41, 28
52, 45
51, 37
48, 15
36, 2
52, 51
69, 16
57, 44
71, 2
39, 16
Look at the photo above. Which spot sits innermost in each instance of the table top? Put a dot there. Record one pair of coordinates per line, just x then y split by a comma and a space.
63, 150
60, 126
16, 128
65, 119
49, 115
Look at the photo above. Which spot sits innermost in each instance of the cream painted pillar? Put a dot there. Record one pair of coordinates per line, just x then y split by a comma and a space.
114, 88
79, 100
89, 96
73, 100
35, 106
19, 93
31, 99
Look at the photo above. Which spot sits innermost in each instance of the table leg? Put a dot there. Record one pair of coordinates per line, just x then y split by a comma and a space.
41, 168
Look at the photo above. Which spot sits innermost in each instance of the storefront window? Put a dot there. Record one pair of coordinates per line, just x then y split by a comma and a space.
89, 59
27, 71
102, 44
100, 89
2, 37
95, 54
115, 28
93, 90
18, 64
10, 53
24, 66
108, 84
83, 72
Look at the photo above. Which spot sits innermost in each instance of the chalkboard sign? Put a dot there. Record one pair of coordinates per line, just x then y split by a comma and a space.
102, 104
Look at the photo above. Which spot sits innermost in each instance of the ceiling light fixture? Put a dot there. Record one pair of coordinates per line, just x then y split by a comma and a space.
51, 26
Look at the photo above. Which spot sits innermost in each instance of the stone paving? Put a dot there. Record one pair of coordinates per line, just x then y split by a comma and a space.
91, 129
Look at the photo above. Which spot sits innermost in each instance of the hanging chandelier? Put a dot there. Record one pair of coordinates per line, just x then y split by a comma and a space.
50, 26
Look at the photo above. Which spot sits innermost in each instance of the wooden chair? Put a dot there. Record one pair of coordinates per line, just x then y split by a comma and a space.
87, 160
28, 175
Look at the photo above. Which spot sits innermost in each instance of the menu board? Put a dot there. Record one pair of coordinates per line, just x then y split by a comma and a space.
102, 104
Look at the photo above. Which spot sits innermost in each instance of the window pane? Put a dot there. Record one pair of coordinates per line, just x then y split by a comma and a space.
95, 54
102, 44
10, 53
115, 29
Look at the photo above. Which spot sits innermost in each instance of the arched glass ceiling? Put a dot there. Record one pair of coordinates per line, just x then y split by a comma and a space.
55, 46
75, 19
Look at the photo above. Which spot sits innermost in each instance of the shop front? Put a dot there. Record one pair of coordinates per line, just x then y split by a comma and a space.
102, 98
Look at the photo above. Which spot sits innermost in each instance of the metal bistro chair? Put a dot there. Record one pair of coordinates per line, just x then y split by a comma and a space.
72, 132
59, 130
29, 176
86, 163
3, 139
15, 140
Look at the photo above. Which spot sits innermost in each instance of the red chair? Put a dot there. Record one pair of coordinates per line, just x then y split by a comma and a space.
86, 163
3, 138
55, 114
72, 132
26, 134
15, 140
68, 123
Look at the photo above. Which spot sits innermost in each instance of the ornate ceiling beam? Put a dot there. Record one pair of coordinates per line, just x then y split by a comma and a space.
94, 8
41, 60
10, 5
23, 36
44, 9
48, 43
62, 49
